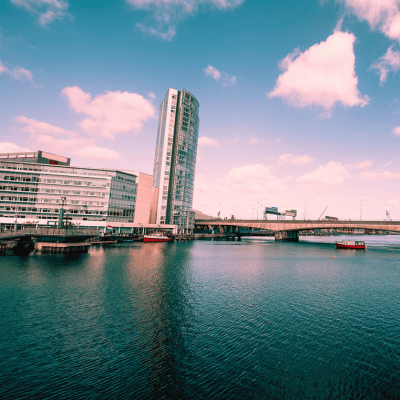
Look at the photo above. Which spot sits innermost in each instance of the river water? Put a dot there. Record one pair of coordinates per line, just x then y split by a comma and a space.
252, 319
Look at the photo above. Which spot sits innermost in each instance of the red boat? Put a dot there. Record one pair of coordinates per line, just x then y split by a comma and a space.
350, 244
157, 237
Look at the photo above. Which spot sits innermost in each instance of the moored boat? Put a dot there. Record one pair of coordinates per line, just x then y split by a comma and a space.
351, 244
157, 237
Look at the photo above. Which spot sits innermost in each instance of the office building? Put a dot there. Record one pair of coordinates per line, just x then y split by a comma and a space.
175, 159
37, 192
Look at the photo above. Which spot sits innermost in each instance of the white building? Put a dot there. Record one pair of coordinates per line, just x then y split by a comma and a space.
37, 191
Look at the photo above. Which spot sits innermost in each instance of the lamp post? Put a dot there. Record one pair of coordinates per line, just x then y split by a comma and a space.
257, 210
253, 212
219, 211
361, 211
262, 214
141, 226
305, 210
61, 220
16, 219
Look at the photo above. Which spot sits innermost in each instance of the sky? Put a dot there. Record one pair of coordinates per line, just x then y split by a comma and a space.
299, 99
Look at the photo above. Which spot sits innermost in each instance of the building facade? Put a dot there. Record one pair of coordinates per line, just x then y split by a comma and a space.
175, 159
34, 191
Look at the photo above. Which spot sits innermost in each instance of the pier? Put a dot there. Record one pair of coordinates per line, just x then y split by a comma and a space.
46, 240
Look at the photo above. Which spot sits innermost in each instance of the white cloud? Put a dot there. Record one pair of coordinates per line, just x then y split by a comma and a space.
8, 147
333, 173
109, 113
253, 141
60, 140
321, 76
205, 141
212, 71
396, 131
45, 10
380, 14
17, 73
300, 160
165, 15
151, 96
388, 62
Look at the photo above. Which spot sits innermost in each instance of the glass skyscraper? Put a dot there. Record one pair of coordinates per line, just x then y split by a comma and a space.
175, 158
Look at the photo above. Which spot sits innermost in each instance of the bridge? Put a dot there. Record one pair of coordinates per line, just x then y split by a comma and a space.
289, 230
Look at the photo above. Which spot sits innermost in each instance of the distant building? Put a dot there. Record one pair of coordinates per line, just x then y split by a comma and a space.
39, 157
175, 159
146, 200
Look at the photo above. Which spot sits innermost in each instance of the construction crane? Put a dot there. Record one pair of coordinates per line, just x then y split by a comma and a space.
322, 213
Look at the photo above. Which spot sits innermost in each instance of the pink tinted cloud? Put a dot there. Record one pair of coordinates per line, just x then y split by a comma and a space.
321, 76
379, 174
299, 160
390, 61
59, 140
17, 73
165, 15
205, 141
396, 131
110, 113
213, 72
46, 11
361, 165
333, 173
380, 14
8, 147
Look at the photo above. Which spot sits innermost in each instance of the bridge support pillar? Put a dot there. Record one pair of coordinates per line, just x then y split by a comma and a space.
287, 236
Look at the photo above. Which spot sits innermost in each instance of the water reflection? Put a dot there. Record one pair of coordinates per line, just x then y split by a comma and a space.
159, 275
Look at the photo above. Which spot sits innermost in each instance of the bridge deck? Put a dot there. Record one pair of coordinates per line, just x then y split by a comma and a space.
300, 225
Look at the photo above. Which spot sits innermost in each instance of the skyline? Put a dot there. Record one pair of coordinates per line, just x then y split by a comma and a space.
298, 99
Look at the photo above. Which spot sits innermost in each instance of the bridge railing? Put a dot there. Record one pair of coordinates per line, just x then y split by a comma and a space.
295, 221
44, 231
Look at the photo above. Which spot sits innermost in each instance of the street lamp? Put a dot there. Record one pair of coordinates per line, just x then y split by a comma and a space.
141, 226
16, 219
257, 210
219, 212
361, 211
61, 220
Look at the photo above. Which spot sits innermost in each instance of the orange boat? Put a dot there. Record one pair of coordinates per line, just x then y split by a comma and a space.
157, 237
350, 244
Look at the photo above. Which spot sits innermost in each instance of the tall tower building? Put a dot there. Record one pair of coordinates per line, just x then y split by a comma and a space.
175, 158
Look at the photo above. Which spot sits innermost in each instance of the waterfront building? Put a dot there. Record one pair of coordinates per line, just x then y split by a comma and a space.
34, 193
38, 191
175, 159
